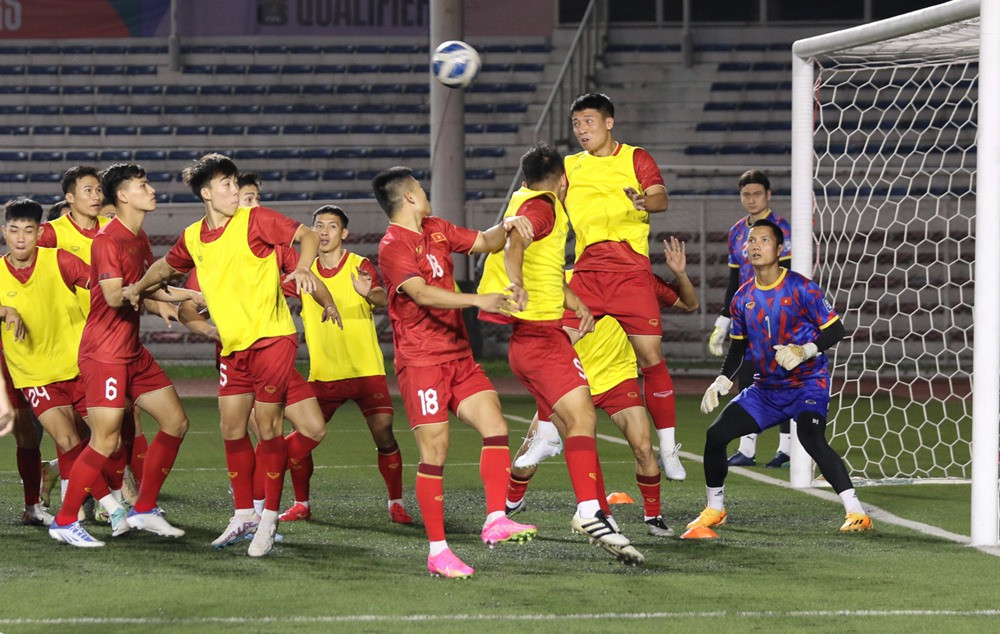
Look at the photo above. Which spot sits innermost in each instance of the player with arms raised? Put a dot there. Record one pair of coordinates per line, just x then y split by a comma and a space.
434, 363
755, 196
613, 187
782, 323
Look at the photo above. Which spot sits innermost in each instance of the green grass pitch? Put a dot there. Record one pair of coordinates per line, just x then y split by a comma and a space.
779, 564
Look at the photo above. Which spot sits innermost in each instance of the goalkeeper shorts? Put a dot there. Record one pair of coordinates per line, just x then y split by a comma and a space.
769, 407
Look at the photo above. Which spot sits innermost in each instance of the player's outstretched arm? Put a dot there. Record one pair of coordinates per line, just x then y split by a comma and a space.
494, 238
675, 252
434, 297
323, 297
653, 200
155, 275
308, 240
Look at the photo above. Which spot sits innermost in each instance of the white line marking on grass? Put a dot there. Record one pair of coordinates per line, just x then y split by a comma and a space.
430, 618
874, 511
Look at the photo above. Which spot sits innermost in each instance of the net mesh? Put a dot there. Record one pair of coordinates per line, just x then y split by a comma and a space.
895, 163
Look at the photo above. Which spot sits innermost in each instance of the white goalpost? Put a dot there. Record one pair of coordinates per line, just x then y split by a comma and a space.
896, 214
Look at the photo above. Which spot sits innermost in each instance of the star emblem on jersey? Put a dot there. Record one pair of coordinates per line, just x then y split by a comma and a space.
786, 301
437, 236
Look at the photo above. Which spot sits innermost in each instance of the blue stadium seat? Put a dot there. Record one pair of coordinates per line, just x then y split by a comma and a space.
502, 128
109, 50
183, 155
13, 155
192, 130
305, 49
150, 155
299, 129
296, 69
215, 89
362, 69
326, 196
474, 128
337, 48
18, 110
338, 175
401, 128
410, 108
175, 89
184, 198
78, 90
145, 110
701, 150
750, 46
386, 89
84, 130
479, 108
367, 175
283, 153
239, 49
263, 129
13, 177
475, 195
173, 109
119, 130
227, 130
417, 89
112, 90
359, 195
318, 153
302, 175
49, 129
480, 174
374, 108
721, 106
109, 70
13, 129
230, 69
272, 49
209, 109
727, 86
406, 48
78, 50
13, 50
43, 90
735, 67
255, 89
76, 70
402, 68
48, 110
366, 128
47, 199
385, 152
712, 126
160, 177
6, 89
250, 154
198, 69
352, 89
155, 129
416, 152
318, 89
736, 148
141, 69
292, 196
487, 152
282, 89
351, 152
270, 175
772, 148
772, 66
43, 70
81, 156
249, 108
370, 49
115, 156
497, 68
775, 126
146, 49
263, 69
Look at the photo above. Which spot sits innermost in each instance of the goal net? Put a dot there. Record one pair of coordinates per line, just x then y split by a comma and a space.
893, 180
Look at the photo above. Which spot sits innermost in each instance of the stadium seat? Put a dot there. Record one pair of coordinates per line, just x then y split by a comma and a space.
366, 128
156, 130
11, 70
338, 175
82, 156
175, 109
291, 196
270, 175
43, 90
10, 177
362, 69
352, 89
318, 153
701, 150
43, 70
76, 70
299, 129
112, 90
13, 129
385, 152
45, 110
416, 89
84, 130
501, 128
735, 148
487, 152
480, 174
250, 154
734, 67
184, 198
227, 130
150, 155
283, 153
18, 110
115, 156
296, 69
351, 152
198, 69
142, 69
175, 89
183, 155
18, 156
192, 130
318, 89
326, 196
302, 175
283, 90
398, 128
263, 130
359, 195
145, 110
109, 70
159, 177
254, 89
77, 90
474, 128
47, 199
48, 129
279, 108
230, 69
374, 108
215, 89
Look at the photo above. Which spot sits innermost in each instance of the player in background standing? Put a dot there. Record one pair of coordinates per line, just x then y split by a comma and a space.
782, 323
117, 367
613, 187
610, 365
346, 364
41, 284
233, 250
540, 352
433, 357
755, 196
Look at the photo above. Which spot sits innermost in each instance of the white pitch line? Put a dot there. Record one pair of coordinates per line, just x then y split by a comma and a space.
430, 618
875, 512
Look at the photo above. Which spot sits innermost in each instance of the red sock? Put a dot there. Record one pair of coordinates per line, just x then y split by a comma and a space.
258, 474
272, 460
300, 463
649, 488
114, 469
86, 470
240, 465
390, 465
494, 469
430, 497
602, 493
138, 456
128, 433
516, 488
581, 459
159, 460
658, 391
68, 459
29, 466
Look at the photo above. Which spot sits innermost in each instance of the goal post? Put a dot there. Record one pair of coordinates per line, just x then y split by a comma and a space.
895, 212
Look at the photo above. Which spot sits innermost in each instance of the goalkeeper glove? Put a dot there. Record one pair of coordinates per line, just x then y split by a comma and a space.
719, 335
790, 356
719, 387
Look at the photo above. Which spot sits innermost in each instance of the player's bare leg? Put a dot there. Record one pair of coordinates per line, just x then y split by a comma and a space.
658, 393
576, 411
273, 458
390, 463
165, 407
310, 428
29, 467
234, 414
634, 425
481, 411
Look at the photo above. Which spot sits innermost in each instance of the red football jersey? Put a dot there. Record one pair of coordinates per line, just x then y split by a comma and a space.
424, 336
112, 334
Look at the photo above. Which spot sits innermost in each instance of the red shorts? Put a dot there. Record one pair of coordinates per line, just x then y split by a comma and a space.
628, 296
234, 380
371, 393
266, 371
543, 359
621, 397
110, 384
70, 393
13, 394
430, 392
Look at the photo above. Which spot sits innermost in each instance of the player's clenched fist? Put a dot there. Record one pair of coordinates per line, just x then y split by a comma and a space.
719, 387
790, 356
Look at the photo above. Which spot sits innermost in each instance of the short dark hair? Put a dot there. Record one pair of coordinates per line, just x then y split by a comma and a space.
754, 177
593, 101
23, 208
387, 184
199, 173
779, 235
540, 162
113, 177
248, 178
75, 173
57, 210
332, 209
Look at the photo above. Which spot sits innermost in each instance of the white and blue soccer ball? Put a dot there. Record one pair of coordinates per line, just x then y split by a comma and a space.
455, 64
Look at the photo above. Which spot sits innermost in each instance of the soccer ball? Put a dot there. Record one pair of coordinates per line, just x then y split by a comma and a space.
455, 64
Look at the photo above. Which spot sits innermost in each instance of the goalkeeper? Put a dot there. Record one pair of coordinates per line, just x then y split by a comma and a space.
782, 323
755, 196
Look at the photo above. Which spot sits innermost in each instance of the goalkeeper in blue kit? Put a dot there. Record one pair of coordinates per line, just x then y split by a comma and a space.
782, 323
